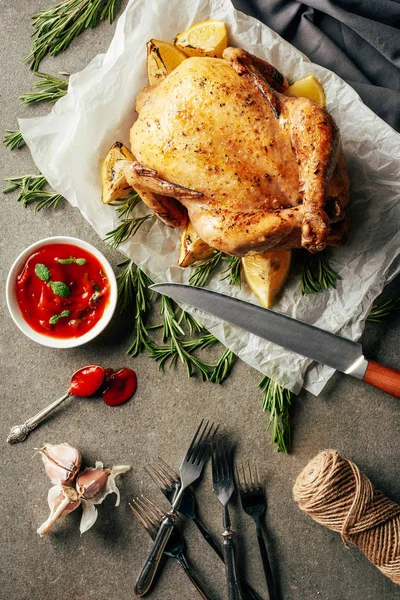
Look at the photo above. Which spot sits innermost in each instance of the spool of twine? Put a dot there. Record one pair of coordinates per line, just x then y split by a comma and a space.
334, 492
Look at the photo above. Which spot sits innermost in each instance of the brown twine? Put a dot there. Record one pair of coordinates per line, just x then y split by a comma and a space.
334, 492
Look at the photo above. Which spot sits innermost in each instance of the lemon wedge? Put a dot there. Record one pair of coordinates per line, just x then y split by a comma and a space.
192, 247
162, 58
266, 274
308, 87
113, 180
208, 38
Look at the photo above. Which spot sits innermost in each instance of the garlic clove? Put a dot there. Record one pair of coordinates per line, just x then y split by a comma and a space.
91, 481
61, 462
89, 516
62, 500
93, 477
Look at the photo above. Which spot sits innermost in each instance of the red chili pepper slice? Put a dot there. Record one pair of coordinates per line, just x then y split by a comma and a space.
86, 381
120, 386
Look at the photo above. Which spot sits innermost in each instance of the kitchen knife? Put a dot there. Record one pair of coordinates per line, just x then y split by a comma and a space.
322, 346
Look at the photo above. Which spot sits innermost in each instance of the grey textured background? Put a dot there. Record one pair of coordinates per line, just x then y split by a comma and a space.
309, 561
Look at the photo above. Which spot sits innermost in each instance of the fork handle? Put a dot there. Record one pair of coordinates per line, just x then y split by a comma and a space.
149, 569
234, 591
265, 562
250, 594
193, 577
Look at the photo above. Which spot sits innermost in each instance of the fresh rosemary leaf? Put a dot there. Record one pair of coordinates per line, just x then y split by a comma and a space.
233, 270
203, 271
48, 89
31, 191
125, 230
56, 27
223, 367
276, 401
134, 283
317, 275
109, 11
382, 309
192, 324
125, 206
13, 139
129, 225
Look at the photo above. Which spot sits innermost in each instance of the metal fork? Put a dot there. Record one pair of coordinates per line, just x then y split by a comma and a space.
254, 504
190, 470
223, 486
168, 481
150, 516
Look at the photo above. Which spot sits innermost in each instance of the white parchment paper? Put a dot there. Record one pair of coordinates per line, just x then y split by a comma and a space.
69, 144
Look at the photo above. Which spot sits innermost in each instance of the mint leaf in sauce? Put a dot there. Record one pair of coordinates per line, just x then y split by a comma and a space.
42, 272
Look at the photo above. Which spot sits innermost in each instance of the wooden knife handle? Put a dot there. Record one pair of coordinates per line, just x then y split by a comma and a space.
384, 378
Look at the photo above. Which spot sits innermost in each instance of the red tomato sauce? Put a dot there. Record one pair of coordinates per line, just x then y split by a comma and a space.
67, 299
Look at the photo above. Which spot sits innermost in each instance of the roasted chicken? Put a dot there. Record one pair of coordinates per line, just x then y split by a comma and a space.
219, 143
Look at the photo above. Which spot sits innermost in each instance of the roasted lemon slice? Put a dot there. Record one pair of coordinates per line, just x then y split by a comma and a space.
208, 38
192, 247
162, 58
266, 274
113, 180
308, 87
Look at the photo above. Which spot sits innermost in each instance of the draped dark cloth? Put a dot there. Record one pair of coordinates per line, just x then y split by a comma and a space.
357, 39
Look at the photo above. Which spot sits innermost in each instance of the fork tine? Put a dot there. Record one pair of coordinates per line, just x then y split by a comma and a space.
258, 475
160, 477
202, 448
245, 484
152, 507
237, 476
146, 508
167, 469
144, 519
139, 516
194, 440
251, 478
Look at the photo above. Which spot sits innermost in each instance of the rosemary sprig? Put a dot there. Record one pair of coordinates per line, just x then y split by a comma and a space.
177, 348
276, 401
177, 326
31, 191
13, 139
56, 27
129, 226
382, 309
125, 230
203, 271
49, 88
233, 270
223, 367
317, 274
134, 282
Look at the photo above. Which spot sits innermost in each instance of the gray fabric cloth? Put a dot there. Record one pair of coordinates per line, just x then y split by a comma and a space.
357, 39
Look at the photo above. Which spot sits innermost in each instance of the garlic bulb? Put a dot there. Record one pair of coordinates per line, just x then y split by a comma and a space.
61, 462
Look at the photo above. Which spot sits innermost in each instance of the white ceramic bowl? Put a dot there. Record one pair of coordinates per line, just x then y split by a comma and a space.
47, 340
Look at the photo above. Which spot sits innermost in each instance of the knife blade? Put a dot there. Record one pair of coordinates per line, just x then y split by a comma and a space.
312, 342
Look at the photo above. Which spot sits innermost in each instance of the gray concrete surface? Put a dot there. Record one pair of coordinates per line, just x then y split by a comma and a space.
309, 561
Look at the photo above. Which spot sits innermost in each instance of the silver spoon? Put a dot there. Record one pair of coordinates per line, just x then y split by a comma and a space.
84, 382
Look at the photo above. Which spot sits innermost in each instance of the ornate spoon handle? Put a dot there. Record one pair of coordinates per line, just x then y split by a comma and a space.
20, 432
